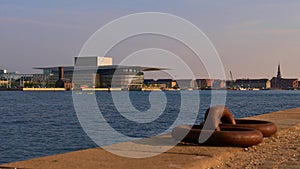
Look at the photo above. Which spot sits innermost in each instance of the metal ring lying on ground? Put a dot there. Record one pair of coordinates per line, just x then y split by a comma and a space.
267, 128
227, 136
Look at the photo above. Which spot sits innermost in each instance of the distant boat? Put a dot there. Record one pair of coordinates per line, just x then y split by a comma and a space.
84, 86
241, 88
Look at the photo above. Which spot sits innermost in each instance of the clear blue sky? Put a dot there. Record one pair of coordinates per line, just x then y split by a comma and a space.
252, 36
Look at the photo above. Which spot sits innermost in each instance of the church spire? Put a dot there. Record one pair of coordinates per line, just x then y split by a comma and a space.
278, 72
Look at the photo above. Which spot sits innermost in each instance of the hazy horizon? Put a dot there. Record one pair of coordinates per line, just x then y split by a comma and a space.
251, 37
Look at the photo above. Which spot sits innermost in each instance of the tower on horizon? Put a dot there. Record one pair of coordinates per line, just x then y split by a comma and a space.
278, 72
283, 83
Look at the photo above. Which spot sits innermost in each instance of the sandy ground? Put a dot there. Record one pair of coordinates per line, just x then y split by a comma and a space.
279, 151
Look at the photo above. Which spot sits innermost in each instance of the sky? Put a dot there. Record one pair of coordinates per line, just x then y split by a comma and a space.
252, 37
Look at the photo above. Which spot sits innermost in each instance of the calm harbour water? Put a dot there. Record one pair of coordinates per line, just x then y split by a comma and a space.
35, 124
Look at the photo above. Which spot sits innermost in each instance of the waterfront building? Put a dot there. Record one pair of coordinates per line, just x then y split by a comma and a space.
282, 83
17, 80
230, 84
160, 83
204, 83
252, 83
100, 77
185, 84
89, 61
3, 82
3, 71
207, 84
96, 72
219, 84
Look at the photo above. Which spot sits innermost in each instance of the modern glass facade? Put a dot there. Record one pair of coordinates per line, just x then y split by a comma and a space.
124, 77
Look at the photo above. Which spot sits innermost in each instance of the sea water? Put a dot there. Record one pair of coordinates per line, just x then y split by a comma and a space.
35, 124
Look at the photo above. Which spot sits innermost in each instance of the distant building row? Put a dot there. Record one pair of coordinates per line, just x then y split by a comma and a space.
208, 84
239, 84
98, 72
204, 84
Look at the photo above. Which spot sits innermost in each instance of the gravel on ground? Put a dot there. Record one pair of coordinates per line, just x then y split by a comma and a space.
279, 151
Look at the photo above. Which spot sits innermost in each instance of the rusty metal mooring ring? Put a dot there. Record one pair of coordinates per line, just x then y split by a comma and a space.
267, 128
227, 136
227, 131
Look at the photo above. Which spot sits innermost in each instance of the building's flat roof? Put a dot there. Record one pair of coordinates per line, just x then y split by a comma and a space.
104, 67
